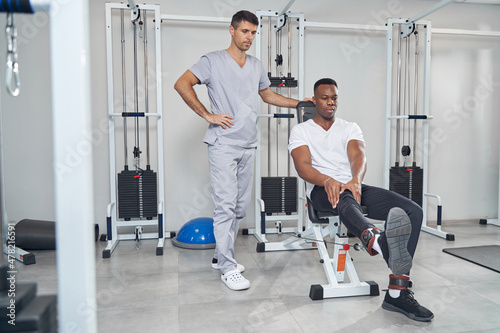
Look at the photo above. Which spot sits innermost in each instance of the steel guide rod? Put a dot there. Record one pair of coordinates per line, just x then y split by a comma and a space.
124, 87
146, 88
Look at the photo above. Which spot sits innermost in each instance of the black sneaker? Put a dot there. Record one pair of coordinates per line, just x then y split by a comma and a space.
394, 242
407, 305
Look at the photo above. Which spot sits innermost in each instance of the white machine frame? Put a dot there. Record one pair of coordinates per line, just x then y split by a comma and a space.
339, 265
113, 224
408, 26
426, 26
260, 217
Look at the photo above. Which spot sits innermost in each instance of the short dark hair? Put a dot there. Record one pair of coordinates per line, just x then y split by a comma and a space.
244, 15
324, 81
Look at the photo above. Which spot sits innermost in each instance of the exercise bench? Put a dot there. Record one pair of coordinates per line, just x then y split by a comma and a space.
340, 264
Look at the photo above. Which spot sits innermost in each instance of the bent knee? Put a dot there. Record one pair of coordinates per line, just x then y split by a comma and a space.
415, 214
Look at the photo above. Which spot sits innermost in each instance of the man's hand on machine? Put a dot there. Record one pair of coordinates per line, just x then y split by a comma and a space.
332, 189
223, 120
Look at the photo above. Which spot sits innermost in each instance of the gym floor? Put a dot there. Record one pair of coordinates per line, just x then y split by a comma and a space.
138, 291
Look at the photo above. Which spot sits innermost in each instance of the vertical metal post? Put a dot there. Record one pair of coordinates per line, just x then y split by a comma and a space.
300, 90
415, 98
111, 122
269, 36
258, 168
398, 96
388, 100
301, 75
289, 89
146, 86
408, 87
136, 102
159, 110
74, 200
425, 123
124, 89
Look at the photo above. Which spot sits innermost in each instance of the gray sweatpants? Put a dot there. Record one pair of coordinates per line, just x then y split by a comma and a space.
231, 175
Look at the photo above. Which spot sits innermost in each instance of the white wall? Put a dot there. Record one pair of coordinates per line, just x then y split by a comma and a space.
464, 158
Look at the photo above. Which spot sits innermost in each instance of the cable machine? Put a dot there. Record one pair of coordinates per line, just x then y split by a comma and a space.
410, 180
137, 194
278, 198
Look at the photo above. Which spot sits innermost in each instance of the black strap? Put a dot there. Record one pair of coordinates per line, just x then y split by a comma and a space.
395, 283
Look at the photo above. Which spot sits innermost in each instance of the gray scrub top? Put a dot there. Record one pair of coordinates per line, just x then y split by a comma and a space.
232, 90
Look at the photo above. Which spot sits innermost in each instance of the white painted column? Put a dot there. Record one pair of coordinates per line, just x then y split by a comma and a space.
71, 111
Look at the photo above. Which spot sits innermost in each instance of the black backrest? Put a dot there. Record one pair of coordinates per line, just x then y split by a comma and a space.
305, 111
313, 214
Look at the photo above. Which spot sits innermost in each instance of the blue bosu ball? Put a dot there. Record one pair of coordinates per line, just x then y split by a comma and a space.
197, 234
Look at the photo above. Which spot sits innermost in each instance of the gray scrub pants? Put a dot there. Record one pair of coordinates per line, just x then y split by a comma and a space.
231, 175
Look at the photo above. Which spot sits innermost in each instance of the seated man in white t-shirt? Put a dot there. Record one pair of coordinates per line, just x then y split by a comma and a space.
329, 154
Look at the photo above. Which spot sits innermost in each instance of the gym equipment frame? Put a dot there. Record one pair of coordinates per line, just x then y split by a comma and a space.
406, 31
408, 27
139, 185
260, 230
340, 264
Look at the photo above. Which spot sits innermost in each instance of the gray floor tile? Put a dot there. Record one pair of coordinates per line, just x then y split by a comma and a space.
138, 291
258, 315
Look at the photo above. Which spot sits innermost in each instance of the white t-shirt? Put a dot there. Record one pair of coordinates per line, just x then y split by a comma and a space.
328, 148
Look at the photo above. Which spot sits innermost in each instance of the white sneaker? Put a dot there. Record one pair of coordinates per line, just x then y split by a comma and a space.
215, 265
234, 280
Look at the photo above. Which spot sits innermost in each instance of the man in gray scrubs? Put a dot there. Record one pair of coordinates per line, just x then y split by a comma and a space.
233, 80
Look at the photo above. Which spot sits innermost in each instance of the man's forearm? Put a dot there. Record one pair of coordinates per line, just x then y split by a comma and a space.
313, 176
285, 102
188, 94
358, 169
276, 99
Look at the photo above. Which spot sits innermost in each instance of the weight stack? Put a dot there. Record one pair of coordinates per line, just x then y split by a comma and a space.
407, 181
279, 194
137, 194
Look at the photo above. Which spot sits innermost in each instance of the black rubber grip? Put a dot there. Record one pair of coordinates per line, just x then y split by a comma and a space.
283, 115
133, 114
439, 214
108, 227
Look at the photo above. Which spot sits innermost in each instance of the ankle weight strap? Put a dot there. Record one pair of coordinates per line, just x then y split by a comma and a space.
367, 238
399, 282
